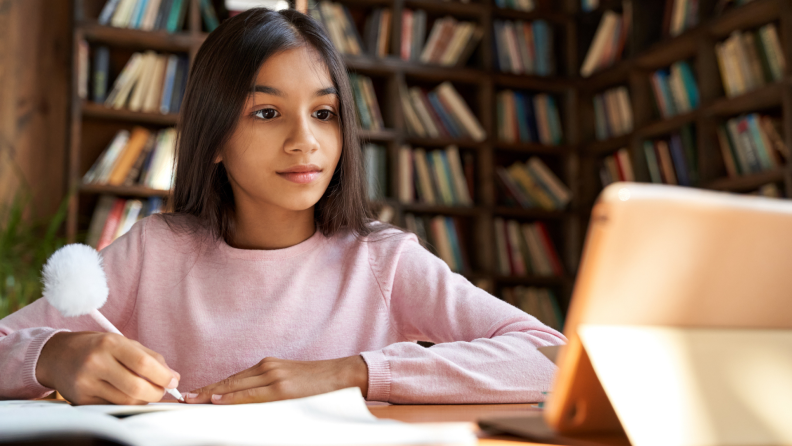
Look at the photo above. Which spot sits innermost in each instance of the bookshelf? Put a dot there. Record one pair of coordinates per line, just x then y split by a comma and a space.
652, 51
93, 125
576, 160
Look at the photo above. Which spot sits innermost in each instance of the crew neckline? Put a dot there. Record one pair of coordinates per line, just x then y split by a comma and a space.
273, 254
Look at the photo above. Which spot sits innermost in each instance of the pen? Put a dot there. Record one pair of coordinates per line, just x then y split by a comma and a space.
75, 284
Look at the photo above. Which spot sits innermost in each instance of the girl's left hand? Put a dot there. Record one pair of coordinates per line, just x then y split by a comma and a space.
275, 379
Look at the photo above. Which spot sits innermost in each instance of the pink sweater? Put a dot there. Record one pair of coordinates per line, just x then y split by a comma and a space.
213, 310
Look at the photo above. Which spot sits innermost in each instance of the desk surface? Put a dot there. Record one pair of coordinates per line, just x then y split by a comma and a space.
462, 413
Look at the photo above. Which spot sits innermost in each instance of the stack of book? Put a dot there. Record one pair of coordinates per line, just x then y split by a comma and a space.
616, 167
680, 15
443, 235
435, 177
528, 118
149, 82
751, 144
450, 42
524, 47
613, 113
525, 249
368, 110
522, 5
749, 60
375, 156
377, 32
540, 303
147, 15
142, 158
532, 185
675, 90
340, 27
673, 160
609, 41
439, 113
114, 216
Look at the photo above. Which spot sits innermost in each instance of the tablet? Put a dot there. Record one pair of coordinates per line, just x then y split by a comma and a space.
666, 256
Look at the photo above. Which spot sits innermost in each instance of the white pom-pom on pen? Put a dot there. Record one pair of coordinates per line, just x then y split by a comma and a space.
75, 283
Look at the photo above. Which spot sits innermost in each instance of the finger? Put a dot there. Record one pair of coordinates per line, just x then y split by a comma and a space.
131, 384
160, 359
211, 387
142, 363
228, 385
112, 395
254, 395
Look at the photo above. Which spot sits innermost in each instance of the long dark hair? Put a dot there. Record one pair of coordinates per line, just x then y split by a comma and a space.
221, 78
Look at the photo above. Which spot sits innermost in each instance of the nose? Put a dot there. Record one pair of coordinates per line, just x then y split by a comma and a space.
301, 137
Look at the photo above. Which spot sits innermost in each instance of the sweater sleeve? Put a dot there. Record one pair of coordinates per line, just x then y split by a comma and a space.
485, 352
24, 333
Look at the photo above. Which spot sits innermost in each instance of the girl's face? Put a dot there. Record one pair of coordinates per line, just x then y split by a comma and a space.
288, 141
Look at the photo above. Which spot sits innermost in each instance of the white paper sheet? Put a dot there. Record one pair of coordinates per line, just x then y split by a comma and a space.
334, 418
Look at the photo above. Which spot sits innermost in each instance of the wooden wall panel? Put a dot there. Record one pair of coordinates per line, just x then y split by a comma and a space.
35, 72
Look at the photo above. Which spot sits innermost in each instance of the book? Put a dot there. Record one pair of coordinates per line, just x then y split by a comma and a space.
101, 73
405, 175
460, 110
127, 158
461, 191
125, 82
111, 224
605, 36
100, 170
500, 244
100, 213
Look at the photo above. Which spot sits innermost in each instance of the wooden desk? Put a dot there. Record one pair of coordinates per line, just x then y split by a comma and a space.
469, 413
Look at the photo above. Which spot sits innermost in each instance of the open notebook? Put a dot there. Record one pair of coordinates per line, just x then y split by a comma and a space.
334, 418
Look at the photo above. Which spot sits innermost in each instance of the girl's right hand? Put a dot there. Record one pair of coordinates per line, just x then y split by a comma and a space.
103, 368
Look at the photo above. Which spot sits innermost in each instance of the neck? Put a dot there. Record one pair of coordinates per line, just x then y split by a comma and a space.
259, 228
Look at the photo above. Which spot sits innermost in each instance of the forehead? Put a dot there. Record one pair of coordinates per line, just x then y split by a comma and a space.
298, 70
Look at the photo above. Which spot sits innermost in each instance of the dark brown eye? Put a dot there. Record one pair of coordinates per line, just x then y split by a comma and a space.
324, 115
266, 113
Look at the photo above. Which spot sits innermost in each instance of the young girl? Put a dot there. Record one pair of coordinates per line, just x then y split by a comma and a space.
269, 280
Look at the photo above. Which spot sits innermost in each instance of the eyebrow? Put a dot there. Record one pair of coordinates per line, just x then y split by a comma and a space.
275, 92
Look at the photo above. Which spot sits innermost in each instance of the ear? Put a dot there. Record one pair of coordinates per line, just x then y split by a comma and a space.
219, 158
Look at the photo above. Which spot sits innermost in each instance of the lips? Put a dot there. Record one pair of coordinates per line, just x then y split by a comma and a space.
301, 174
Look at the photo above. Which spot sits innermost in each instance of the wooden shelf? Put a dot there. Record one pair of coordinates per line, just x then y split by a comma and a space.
667, 125
379, 135
557, 18
537, 214
533, 148
124, 191
462, 143
461, 211
99, 111
608, 77
608, 145
456, 8
755, 13
747, 182
528, 82
768, 96
137, 39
